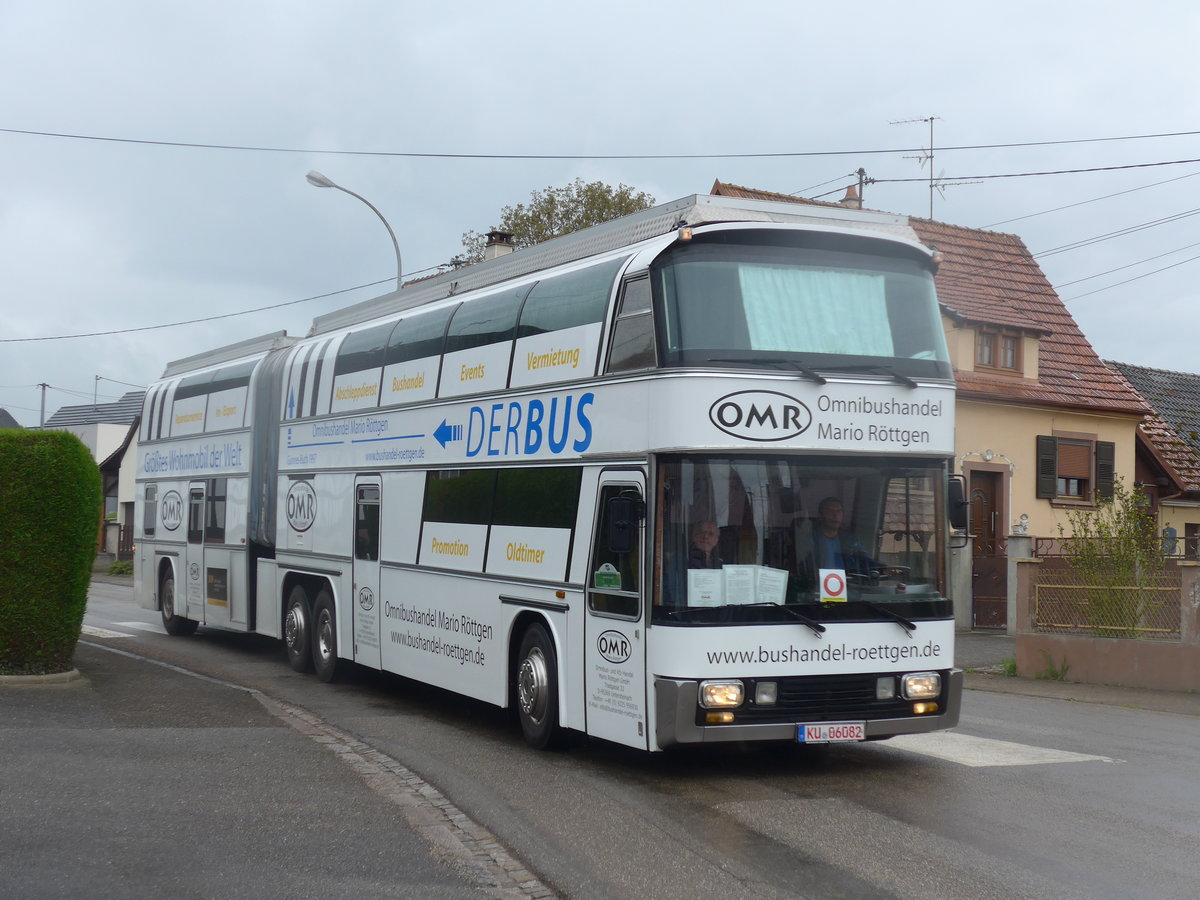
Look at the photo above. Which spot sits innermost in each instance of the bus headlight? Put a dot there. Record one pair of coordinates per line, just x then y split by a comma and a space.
920, 685
719, 694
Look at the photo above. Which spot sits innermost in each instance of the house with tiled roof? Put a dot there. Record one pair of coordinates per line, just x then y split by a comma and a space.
1168, 464
1043, 426
109, 431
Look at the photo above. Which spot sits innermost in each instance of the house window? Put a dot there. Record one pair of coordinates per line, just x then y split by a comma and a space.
1191, 537
997, 350
1074, 468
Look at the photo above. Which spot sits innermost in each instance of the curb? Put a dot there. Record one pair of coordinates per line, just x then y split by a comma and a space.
30, 680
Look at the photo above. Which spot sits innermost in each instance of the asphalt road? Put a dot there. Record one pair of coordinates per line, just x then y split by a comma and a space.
1029, 797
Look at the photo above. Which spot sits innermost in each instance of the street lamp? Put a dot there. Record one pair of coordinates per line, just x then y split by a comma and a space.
316, 179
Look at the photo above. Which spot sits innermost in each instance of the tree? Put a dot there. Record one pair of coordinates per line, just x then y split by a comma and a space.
557, 211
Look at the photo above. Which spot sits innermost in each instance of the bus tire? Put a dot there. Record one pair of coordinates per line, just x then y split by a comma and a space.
297, 629
175, 625
324, 636
536, 679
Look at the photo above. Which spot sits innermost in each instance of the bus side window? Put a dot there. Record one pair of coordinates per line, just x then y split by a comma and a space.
614, 579
633, 332
366, 523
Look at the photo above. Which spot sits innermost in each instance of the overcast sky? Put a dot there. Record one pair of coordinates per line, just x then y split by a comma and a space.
117, 235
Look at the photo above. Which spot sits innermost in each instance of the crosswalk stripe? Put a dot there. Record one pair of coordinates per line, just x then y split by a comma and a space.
968, 750
93, 631
141, 626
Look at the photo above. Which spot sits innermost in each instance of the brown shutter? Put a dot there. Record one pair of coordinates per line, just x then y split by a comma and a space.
1074, 460
1106, 454
1047, 467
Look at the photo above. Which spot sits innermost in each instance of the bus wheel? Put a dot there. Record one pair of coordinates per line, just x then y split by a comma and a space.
537, 688
176, 625
324, 649
296, 631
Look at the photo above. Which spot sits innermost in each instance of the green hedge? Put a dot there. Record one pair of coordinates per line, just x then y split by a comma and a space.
50, 506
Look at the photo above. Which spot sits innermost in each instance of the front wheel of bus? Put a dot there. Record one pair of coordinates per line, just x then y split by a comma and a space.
324, 650
175, 625
537, 688
296, 631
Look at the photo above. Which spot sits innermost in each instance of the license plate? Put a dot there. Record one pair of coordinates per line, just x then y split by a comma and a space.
831, 732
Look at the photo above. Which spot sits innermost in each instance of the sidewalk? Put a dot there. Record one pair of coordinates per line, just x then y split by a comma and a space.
136, 779
982, 655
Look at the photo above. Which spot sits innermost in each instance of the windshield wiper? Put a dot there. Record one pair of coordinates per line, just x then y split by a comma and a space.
817, 628
879, 370
904, 623
788, 364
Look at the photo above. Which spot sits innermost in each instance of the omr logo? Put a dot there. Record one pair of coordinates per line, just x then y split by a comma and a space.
760, 415
301, 506
171, 510
614, 646
366, 599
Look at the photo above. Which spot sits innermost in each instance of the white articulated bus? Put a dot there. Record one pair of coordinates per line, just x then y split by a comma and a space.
683, 477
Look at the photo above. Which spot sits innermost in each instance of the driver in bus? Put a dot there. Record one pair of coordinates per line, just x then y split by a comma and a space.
835, 547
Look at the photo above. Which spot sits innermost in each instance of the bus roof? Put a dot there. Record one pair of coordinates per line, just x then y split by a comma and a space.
695, 210
249, 347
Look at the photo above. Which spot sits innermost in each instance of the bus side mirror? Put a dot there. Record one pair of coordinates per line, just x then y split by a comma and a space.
624, 515
957, 506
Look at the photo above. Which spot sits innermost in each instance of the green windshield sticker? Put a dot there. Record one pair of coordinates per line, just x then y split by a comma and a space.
607, 576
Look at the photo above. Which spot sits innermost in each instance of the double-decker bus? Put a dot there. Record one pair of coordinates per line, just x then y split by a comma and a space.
684, 477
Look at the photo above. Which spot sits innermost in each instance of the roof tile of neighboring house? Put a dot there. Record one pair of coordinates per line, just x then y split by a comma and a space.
6, 419
1174, 427
123, 412
991, 278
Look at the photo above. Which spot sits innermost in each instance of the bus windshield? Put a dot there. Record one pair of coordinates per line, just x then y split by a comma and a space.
751, 539
783, 301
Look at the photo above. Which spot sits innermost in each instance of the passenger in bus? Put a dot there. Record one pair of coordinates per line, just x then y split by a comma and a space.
703, 552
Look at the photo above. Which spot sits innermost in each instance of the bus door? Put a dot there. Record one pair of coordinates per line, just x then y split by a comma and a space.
367, 496
193, 562
614, 636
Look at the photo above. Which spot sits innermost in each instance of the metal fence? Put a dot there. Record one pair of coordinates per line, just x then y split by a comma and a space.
1065, 604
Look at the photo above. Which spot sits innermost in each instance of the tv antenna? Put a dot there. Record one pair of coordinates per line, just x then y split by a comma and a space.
926, 156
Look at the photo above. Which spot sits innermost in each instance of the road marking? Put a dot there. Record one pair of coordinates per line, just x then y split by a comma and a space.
93, 631
968, 750
141, 626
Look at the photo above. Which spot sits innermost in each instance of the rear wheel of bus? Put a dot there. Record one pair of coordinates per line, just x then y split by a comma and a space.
175, 625
324, 636
537, 687
297, 630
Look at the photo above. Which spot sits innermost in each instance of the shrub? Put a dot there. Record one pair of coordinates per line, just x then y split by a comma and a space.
121, 567
49, 516
1116, 554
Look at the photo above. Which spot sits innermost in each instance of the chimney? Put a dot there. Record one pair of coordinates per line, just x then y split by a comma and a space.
499, 243
852, 200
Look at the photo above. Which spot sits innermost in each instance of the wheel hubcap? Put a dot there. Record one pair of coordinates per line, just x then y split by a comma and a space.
293, 625
325, 636
532, 680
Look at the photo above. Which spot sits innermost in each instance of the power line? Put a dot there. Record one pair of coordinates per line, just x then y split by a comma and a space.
566, 156
1139, 262
1092, 200
1135, 278
245, 312
961, 178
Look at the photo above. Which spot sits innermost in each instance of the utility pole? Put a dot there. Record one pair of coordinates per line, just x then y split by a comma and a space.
42, 418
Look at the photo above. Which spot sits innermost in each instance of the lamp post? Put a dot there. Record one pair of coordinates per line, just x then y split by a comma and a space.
316, 179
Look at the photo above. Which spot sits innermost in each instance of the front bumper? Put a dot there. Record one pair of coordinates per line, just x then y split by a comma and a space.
677, 703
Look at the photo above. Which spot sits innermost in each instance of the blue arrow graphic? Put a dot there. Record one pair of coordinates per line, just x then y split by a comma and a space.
444, 433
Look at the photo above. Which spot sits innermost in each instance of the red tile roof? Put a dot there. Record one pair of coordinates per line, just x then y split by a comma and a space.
991, 278
1174, 427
